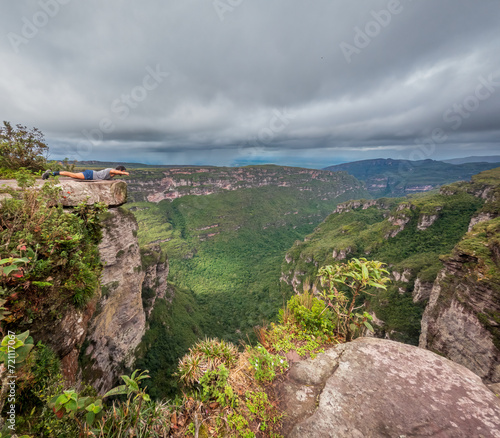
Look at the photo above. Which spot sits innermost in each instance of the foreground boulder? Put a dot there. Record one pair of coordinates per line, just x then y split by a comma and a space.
379, 388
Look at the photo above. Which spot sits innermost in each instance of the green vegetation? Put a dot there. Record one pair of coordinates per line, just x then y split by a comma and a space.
225, 252
49, 263
360, 232
21, 148
168, 339
49, 257
225, 392
357, 276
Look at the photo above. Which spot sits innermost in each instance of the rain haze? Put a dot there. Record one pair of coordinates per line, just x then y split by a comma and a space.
235, 82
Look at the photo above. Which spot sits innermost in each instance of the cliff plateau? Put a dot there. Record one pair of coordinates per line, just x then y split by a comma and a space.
157, 185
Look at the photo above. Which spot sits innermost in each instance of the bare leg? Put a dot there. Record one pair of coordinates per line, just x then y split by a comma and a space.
72, 175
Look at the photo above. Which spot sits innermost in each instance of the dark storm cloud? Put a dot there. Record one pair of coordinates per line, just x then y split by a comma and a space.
227, 81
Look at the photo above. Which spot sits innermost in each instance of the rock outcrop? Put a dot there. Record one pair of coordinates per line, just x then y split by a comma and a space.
372, 388
481, 217
421, 290
73, 192
462, 318
96, 342
67, 332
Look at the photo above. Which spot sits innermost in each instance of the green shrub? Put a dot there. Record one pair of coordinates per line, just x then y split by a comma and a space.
265, 364
311, 313
59, 251
20, 147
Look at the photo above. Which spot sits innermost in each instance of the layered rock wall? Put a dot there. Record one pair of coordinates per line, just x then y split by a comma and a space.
119, 322
462, 318
95, 343
179, 182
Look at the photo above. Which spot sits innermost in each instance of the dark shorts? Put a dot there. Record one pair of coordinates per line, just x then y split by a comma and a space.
88, 174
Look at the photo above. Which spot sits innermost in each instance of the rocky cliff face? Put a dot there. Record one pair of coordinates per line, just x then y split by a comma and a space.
178, 182
392, 214
119, 322
96, 342
60, 324
408, 234
462, 319
154, 286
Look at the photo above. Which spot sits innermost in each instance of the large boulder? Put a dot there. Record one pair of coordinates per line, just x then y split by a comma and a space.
112, 193
379, 388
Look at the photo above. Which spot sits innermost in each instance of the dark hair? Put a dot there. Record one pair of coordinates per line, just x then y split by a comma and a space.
122, 168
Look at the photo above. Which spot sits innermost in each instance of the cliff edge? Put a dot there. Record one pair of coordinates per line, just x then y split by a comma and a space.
97, 340
110, 193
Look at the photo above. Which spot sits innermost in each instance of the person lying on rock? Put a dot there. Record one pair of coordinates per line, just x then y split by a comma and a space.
89, 175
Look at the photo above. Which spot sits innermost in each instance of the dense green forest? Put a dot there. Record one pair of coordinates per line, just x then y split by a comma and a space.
409, 234
225, 252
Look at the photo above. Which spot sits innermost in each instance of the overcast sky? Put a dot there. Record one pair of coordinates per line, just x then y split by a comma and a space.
231, 82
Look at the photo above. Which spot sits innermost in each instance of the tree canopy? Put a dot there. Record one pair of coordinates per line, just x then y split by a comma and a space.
20, 147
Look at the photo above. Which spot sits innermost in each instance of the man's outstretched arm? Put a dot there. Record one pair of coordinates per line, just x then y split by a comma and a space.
118, 172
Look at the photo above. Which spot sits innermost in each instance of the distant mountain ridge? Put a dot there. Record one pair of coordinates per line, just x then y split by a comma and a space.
474, 159
389, 177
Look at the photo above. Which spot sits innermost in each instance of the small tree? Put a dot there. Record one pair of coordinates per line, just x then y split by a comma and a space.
358, 275
20, 147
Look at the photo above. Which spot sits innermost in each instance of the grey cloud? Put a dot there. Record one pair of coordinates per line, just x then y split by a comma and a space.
227, 78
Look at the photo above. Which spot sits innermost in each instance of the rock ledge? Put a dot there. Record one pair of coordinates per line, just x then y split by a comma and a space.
111, 193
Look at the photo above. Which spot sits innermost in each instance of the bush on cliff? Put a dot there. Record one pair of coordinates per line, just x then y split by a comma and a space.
20, 147
48, 256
